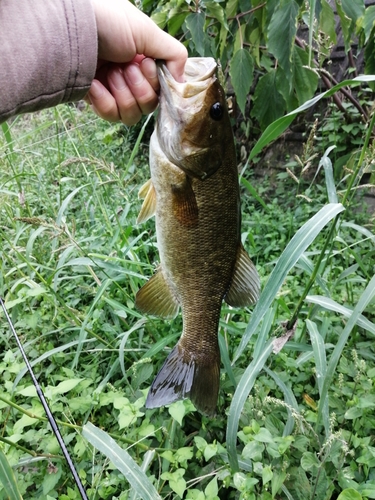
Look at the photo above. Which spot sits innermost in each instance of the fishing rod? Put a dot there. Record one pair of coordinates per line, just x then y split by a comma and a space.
51, 418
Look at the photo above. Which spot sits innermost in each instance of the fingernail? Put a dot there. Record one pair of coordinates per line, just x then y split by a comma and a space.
117, 79
96, 90
134, 74
149, 68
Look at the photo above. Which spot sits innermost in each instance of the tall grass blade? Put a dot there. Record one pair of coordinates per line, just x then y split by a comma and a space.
122, 461
135, 148
279, 126
311, 28
243, 389
364, 300
289, 399
320, 368
8, 136
307, 265
292, 253
83, 332
263, 334
139, 324
363, 230
226, 361
147, 459
331, 305
8, 480
47, 355
326, 163
254, 193
65, 203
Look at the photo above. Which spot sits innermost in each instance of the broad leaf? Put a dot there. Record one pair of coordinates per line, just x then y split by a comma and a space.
345, 25
304, 79
281, 34
369, 21
349, 494
176, 20
241, 72
327, 21
370, 57
195, 24
215, 10
269, 104
353, 8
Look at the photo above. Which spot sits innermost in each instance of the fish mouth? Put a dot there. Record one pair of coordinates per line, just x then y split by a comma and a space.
179, 97
197, 71
179, 102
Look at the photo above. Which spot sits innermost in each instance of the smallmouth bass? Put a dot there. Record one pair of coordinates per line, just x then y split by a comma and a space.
194, 194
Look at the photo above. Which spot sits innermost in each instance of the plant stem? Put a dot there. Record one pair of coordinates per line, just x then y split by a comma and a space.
313, 274
138, 444
29, 452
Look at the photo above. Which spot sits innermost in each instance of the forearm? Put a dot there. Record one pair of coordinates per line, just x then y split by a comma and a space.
48, 53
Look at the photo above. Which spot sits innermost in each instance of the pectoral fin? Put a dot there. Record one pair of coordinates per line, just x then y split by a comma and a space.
156, 298
147, 192
184, 203
245, 287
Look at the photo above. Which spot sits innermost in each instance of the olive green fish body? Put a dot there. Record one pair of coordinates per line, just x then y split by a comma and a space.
196, 203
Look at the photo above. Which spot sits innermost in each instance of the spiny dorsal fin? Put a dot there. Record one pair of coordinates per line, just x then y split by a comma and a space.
245, 287
156, 298
184, 204
147, 192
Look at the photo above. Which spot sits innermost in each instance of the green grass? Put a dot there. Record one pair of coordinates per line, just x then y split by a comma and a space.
296, 424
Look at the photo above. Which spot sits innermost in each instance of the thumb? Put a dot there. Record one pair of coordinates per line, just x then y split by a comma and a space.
124, 31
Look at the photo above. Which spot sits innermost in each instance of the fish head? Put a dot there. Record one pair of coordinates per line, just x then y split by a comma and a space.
193, 126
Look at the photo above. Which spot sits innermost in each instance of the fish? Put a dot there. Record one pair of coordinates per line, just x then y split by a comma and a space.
194, 195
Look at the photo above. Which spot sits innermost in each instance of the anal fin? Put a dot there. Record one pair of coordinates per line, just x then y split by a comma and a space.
148, 193
245, 286
156, 298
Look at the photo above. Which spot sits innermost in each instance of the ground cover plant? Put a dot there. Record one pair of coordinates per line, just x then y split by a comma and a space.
296, 406
295, 418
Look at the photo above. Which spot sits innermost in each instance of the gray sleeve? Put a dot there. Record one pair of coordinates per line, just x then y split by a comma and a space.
48, 53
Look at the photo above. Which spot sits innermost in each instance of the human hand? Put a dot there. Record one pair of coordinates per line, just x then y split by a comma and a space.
126, 82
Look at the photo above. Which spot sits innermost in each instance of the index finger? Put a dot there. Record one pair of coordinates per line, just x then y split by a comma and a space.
156, 43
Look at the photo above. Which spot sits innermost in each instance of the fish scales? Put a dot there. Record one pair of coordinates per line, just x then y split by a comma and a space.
194, 195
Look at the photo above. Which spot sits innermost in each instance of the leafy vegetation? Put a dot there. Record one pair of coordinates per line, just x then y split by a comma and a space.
296, 406
291, 424
263, 47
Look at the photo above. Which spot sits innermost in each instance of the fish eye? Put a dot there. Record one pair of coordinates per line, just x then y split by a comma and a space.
216, 111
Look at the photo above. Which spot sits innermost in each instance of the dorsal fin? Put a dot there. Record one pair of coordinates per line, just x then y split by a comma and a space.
245, 286
156, 298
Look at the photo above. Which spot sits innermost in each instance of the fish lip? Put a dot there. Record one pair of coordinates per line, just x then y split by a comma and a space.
178, 99
195, 81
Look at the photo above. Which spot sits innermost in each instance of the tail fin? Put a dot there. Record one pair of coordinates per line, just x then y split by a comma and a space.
184, 376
